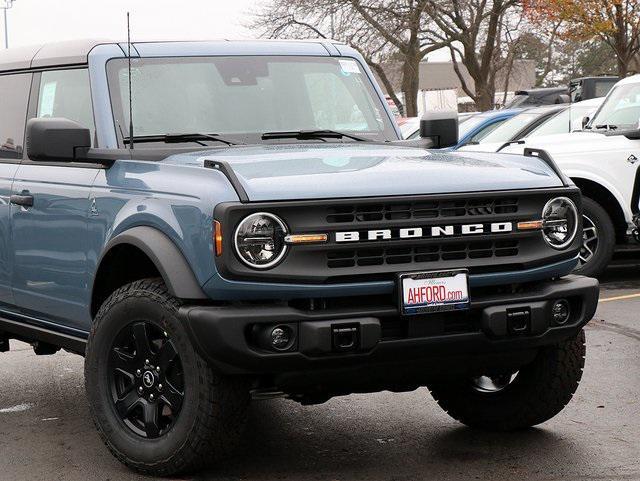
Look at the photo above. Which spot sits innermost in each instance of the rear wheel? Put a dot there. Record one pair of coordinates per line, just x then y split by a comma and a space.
513, 400
598, 239
158, 406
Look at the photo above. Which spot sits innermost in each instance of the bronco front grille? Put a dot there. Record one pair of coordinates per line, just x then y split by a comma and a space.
363, 259
420, 210
421, 254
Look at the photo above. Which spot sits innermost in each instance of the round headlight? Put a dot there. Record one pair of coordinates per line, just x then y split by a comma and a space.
259, 240
560, 222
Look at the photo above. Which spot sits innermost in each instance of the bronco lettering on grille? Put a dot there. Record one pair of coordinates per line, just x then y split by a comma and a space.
424, 232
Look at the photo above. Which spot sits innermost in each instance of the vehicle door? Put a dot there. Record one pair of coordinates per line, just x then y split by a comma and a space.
14, 97
50, 277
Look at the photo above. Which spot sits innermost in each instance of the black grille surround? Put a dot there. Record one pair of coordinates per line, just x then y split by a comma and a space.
362, 261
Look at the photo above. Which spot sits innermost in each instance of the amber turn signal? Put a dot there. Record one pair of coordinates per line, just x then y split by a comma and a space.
530, 225
217, 237
305, 238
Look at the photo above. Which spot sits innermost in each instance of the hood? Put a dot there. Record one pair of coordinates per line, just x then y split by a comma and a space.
314, 171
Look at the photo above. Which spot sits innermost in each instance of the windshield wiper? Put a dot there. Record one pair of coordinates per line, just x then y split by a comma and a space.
179, 138
311, 134
606, 127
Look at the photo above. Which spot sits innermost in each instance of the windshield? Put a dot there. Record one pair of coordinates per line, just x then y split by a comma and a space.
566, 121
244, 97
510, 129
621, 109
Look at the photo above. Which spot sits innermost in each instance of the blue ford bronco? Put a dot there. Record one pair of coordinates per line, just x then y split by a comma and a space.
214, 222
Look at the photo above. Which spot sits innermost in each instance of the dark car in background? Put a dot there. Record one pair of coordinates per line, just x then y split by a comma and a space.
586, 88
539, 96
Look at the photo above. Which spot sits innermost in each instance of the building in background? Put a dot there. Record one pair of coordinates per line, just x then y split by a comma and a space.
441, 89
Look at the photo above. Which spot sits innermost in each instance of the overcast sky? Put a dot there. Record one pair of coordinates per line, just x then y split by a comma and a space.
40, 21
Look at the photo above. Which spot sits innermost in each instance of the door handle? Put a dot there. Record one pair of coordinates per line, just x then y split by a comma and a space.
24, 200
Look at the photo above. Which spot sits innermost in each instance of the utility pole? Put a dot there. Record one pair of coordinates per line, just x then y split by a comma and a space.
6, 5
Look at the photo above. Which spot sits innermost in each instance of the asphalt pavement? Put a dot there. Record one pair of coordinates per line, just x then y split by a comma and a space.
46, 432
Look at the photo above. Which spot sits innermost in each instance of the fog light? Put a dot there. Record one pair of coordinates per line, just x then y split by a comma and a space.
281, 338
561, 311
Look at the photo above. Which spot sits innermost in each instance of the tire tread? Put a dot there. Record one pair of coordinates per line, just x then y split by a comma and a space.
543, 390
215, 431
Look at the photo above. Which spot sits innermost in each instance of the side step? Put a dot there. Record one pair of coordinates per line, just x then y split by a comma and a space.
10, 329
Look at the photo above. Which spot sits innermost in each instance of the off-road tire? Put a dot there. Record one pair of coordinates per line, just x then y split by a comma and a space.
606, 239
539, 391
211, 420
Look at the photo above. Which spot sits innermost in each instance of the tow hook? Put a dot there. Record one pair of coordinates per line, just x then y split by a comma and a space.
345, 338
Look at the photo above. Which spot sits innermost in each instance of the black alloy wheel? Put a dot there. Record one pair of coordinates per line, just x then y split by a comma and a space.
146, 379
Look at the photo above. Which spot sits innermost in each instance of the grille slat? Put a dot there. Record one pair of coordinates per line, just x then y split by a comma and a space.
422, 254
421, 210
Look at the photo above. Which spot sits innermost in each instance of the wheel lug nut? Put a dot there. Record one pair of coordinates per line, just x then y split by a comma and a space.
151, 397
140, 390
146, 361
160, 387
158, 369
138, 373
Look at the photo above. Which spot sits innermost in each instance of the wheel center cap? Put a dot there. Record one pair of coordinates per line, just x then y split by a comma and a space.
148, 379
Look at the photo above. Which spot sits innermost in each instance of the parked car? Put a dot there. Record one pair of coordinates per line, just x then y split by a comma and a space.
567, 120
603, 162
249, 224
513, 129
539, 96
586, 88
472, 128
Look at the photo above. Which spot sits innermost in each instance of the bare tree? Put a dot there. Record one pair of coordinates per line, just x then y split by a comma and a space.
474, 31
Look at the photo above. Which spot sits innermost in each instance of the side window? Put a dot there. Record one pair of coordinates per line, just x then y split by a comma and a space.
14, 97
66, 93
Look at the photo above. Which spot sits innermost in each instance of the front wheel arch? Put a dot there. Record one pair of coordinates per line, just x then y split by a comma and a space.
155, 254
605, 198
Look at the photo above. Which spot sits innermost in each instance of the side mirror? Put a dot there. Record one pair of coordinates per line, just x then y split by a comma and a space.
585, 122
441, 127
56, 140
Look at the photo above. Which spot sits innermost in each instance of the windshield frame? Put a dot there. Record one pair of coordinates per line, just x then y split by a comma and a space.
389, 131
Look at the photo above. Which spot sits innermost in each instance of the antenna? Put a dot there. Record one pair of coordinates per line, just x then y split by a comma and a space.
130, 97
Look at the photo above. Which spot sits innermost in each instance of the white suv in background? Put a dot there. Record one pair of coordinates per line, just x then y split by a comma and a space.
603, 161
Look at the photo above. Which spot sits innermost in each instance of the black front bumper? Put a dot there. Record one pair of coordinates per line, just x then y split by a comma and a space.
497, 324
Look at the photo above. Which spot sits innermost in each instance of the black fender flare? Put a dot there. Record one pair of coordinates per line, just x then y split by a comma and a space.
162, 251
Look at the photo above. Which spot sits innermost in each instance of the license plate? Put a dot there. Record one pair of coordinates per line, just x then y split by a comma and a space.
426, 292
